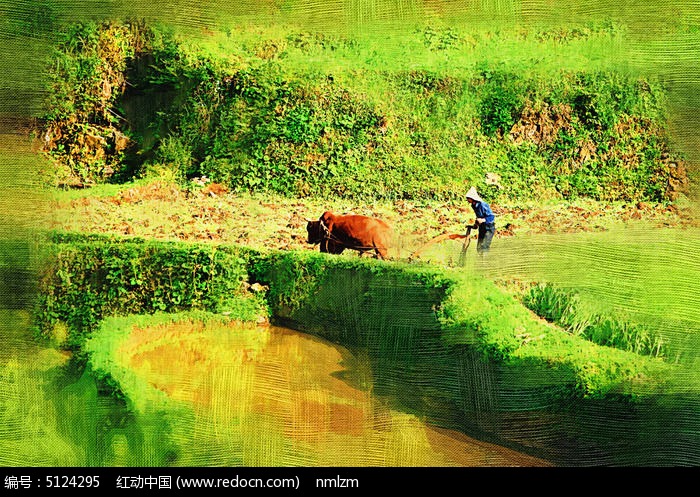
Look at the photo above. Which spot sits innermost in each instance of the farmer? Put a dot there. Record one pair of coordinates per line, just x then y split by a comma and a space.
484, 221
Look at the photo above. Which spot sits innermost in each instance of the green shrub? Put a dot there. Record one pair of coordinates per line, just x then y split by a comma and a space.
501, 102
86, 280
393, 309
176, 154
83, 132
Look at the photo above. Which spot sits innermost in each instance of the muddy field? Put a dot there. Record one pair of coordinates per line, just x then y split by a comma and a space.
208, 212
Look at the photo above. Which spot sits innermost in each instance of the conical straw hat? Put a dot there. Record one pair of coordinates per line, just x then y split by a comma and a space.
472, 194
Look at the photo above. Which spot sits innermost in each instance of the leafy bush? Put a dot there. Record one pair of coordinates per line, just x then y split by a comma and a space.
501, 100
173, 152
83, 133
86, 280
391, 308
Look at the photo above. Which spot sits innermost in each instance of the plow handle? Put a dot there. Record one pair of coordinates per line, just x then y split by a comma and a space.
465, 246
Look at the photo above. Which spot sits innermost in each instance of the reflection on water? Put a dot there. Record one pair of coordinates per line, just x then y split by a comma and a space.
213, 395
30, 431
274, 397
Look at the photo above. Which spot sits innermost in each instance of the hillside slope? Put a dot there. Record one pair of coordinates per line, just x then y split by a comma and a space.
313, 115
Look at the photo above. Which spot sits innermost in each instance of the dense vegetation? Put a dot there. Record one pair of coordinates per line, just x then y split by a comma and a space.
352, 301
260, 113
88, 279
300, 113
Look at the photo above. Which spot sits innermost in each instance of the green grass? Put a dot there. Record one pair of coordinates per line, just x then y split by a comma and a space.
99, 191
31, 429
647, 276
366, 303
439, 120
564, 308
637, 280
412, 49
23, 201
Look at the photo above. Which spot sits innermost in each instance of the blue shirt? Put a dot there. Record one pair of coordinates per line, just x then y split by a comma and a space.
482, 210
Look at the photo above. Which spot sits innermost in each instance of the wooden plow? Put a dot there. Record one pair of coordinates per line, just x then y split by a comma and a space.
443, 237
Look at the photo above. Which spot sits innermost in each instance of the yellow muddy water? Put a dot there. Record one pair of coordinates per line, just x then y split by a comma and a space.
274, 397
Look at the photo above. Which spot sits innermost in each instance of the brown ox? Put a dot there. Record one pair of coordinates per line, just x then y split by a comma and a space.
361, 233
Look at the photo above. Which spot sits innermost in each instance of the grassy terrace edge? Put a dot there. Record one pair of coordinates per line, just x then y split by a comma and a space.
449, 346
385, 306
350, 301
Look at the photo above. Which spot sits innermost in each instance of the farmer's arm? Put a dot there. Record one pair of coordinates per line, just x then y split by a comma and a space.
483, 213
480, 213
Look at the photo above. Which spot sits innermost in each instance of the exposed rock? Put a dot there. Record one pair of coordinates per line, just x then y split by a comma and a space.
541, 124
257, 287
678, 182
121, 141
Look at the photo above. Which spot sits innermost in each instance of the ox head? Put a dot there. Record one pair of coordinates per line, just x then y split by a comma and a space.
321, 229
314, 232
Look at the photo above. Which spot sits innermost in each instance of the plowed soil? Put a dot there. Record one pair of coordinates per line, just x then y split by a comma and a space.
210, 213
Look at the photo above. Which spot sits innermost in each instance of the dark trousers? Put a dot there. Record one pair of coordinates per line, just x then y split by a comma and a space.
486, 232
